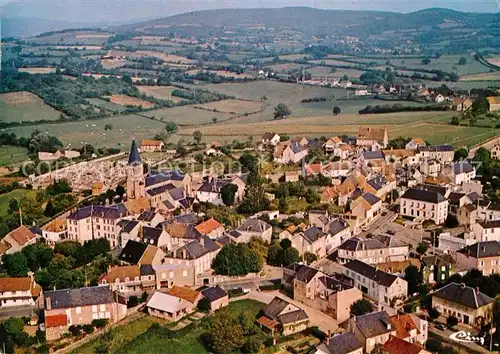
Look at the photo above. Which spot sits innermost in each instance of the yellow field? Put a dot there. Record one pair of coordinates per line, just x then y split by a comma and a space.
37, 70
169, 58
14, 99
112, 64
223, 73
160, 92
294, 56
494, 61
78, 47
494, 76
232, 106
125, 100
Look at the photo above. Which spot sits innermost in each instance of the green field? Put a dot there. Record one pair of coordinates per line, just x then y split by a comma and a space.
10, 155
92, 132
110, 106
29, 109
134, 337
187, 115
445, 63
18, 194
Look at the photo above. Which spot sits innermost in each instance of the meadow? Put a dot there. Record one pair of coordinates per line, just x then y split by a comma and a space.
92, 132
125, 100
15, 194
187, 115
160, 92
445, 63
10, 155
233, 106
109, 106
25, 106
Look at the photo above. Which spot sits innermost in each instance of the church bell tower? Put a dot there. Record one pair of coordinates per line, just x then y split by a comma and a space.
136, 186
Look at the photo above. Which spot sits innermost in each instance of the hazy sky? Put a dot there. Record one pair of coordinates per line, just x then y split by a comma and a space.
95, 11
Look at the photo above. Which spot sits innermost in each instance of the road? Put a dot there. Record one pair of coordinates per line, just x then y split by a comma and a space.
17, 311
316, 317
444, 336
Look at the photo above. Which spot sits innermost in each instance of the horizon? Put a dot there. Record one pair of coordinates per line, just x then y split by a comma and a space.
102, 13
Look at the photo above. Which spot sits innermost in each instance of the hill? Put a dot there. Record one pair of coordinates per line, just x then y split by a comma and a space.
27, 27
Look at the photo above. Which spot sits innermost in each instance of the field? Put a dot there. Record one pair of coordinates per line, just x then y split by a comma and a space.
92, 132
113, 64
134, 337
160, 92
17, 194
494, 76
445, 63
321, 71
223, 73
285, 67
294, 56
37, 70
494, 61
125, 100
109, 106
169, 58
25, 106
10, 155
187, 115
232, 106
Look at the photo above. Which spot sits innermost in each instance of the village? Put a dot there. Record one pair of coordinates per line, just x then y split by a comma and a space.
380, 258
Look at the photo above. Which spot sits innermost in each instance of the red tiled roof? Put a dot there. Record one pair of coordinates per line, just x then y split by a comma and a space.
151, 142
56, 321
208, 226
398, 346
22, 235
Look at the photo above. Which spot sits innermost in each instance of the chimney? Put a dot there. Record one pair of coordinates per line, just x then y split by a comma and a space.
462, 285
202, 241
48, 303
328, 336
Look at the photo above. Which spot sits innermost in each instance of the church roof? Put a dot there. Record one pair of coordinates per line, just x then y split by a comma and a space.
134, 156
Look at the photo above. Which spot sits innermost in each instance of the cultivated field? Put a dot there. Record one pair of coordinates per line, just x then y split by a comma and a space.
109, 106
113, 64
92, 132
285, 67
25, 106
494, 61
232, 106
37, 70
160, 92
223, 73
125, 100
10, 155
187, 115
170, 58
445, 63
493, 76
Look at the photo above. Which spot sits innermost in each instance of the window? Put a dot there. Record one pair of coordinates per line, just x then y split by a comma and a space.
94, 308
78, 310
184, 273
102, 307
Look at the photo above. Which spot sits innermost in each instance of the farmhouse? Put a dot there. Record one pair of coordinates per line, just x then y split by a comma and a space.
368, 136
287, 152
17, 239
282, 317
494, 103
152, 145
270, 139
461, 104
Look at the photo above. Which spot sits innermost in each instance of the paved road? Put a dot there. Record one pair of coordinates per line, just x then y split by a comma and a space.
444, 336
316, 317
16, 312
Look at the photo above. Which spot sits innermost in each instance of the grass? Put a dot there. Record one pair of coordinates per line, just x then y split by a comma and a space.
109, 106
489, 76
30, 109
134, 337
10, 155
17, 194
160, 92
74, 133
445, 63
187, 115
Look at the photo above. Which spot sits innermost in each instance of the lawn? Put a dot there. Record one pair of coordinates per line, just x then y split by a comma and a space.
92, 132
17, 194
10, 155
25, 106
136, 336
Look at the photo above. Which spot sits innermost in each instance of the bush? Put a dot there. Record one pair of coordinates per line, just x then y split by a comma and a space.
88, 328
133, 301
204, 305
75, 330
252, 345
144, 296
452, 321
316, 332
99, 323
235, 292
433, 345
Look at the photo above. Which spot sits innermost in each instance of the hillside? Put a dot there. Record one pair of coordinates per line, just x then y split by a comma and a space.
27, 27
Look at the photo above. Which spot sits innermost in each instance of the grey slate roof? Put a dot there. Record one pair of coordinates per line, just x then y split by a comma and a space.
294, 316
106, 212
96, 295
462, 167
134, 157
128, 225
373, 155
464, 295
341, 344
132, 252
370, 198
374, 324
159, 190
176, 193
254, 225
482, 249
275, 307
454, 197
378, 276
147, 269
493, 224
436, 148
151, 235
313, 234
146, 216
337, 226
155, 177
423, 196
305, 273
214, 293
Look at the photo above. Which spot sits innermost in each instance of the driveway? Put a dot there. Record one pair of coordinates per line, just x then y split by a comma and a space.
316, 317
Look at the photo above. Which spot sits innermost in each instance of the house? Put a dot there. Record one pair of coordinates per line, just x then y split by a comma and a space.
483, 256
178, 179
17, 239
437, 268
96, 221
373, 159
331, 144
345, 343
216, 296
443, 153
71, 307
436, 97
407, 329
402, 157
367, 206
386, 289
461, 104
123, 279
211, 228
430, 167
423, 92
367, 136
128, 230
424, 204
397, 345
292, 176
283, 318
151, 145
173, 305
337, 231
170, 273
469, 305
290, 152
136, 252
381, 249
398, 267
48, 156
252, 227
270, 139
360, 92
211, 190
487, 230
55, 231
462, 172
494, 103
332, 294
18, 292
372, 329
150, 218
415, 143
337, 169
456, 200
379, 89
467, 214
311, 240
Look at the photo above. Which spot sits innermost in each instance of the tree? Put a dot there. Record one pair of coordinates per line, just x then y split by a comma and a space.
285, 244
252, 345
413, 277
214, 120
281, 111
310, 257
225, 334
13, 206
228, 193
259, 247
133, 301
108, 127
126, 78
451, 221
290, 255
460, 154
283, 205
15, 264
426, 61
14, 326
361, 307
171, 127
197, 136
462, 61
451, 321
433, 345
49, 209
236, 259
336, 110
421, 248
144, 296
434, 313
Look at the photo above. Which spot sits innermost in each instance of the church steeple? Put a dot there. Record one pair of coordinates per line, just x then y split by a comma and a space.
134, 157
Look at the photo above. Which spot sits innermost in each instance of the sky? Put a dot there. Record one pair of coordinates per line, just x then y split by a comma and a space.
122, 11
